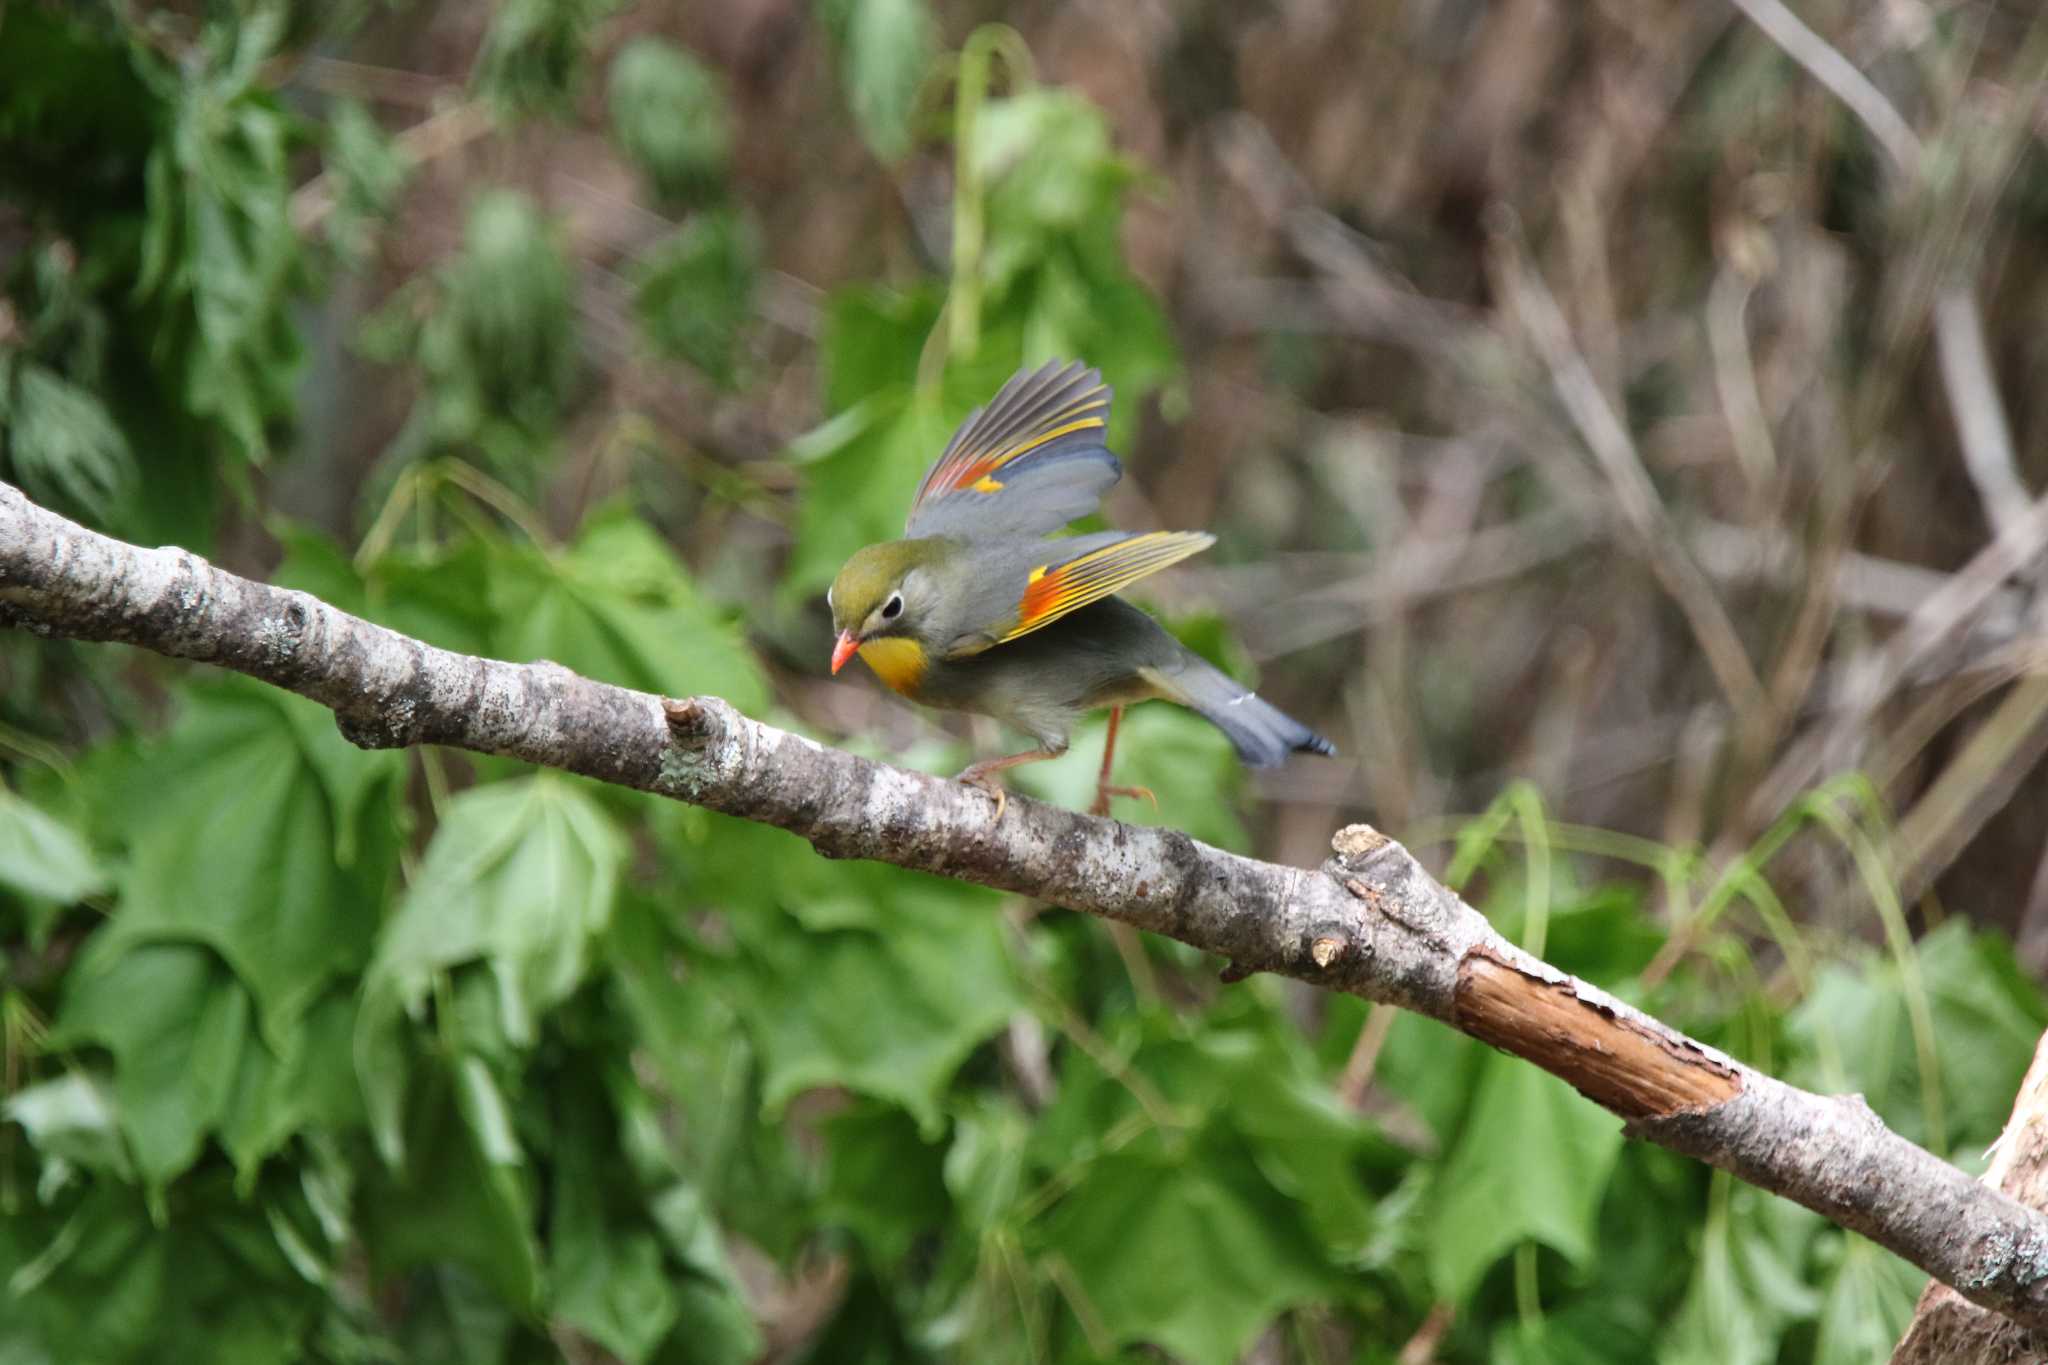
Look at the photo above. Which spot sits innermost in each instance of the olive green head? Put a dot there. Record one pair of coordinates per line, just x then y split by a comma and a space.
885, 590
868, 582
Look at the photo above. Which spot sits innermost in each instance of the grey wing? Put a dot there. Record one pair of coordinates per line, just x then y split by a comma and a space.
1025, 465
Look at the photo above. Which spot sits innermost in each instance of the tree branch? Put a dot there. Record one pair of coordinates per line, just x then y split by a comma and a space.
1370, 922
1948, 1331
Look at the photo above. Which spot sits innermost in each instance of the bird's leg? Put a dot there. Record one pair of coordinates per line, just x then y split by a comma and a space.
983, 774
1103, 791
1129, 947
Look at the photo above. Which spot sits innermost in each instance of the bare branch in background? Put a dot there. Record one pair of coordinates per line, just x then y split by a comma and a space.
1840, 76
438, 135
1356, 293
1974, 786
1370, 922
1981, 426
1940, 617
1525, 295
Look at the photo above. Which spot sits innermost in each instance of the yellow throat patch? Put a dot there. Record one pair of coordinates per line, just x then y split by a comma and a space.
897, 661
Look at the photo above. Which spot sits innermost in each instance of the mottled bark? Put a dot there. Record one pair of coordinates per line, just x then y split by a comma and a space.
1370, 921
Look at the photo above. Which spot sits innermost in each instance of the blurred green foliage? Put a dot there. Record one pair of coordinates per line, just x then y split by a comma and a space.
670, 116
332, 1055
493, 337
694, 292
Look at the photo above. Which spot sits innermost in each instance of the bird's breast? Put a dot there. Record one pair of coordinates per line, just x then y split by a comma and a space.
898, 661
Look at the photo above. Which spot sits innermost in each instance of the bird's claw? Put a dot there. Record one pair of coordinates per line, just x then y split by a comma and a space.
986, 782
1104, 791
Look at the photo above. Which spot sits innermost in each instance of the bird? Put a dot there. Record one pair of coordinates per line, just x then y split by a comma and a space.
980, 607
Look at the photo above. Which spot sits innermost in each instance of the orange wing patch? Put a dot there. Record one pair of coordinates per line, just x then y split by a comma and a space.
1040, 417
971, 470
1051, 591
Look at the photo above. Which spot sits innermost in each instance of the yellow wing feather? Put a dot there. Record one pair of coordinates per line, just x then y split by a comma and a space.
1052, 590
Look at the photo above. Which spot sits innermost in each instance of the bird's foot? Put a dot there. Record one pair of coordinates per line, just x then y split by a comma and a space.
1104, 791
981, 778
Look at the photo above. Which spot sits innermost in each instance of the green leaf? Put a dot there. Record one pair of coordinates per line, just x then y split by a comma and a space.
1747, 1285
1987, 1014
882, 1180
65, 448
368, 171
1434, 1072
686, 1221
701, 1069
1307, 1143
1582, 1334
534, 51
985, 1162
1191, 1252
1600, 934
1053, 267
221, 259
498, 346
72, 1120
73, 90
275, 853
442, 596
609, 1278
860, 492
315, 563
1531, 1164
453, 1315
713, 1327
713, 1324
694, 291
884, 49
619, 607
1052, 173
176, 1022
1866, 1304
690, 1037
872, 343
669, 113
616, 605
1246, 1079
44, 859
309, 1084
520, 876
865, 1329
1853, 1031
461, 1198
1047, 127
210, 1284
884, 993
1646, 1263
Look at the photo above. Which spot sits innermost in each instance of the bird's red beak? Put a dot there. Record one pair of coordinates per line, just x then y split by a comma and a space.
843, 650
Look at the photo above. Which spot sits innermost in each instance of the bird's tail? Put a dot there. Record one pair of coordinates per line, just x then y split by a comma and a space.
1263, 733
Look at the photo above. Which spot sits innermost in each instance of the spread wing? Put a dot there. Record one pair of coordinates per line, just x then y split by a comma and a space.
1089, 568
1025, 465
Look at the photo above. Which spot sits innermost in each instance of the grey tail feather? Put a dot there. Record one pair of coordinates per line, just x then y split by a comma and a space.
1263, 734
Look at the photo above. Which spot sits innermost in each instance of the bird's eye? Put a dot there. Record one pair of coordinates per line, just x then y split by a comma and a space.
893, 608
